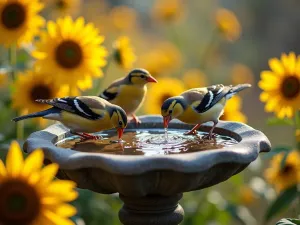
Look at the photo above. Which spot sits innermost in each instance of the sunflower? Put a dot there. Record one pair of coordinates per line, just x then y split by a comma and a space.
164, 89
71, 51
3, 79
162, 59
281, 86
123, 17
28, 193
228, 24
289, 175
194, 78
167, 10
241, 74
246, 195
19, 21
232, 110
123, 52
32, 85
64, 7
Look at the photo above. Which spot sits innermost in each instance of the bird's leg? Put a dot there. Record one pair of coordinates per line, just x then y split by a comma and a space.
92, 137
85, 136
193, 131
135, 119
210, 135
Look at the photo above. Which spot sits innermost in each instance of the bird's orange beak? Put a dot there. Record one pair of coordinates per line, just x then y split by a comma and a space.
167, 120
120, 132
151, 79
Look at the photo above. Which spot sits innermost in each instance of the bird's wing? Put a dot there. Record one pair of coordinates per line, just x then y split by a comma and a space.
113, 90
76, 105
210, 96
194, 95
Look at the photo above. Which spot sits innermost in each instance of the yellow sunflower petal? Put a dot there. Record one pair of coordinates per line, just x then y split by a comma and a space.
2, 169
38, 54
271, 104
14, 160
276, 66
54, 198
33, 162
291, 62
66, 210
264, 96
48, 173
62, 189
56, 219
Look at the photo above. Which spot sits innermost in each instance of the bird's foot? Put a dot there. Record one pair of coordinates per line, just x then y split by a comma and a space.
191, 132
209, 137
85, 136
136, 119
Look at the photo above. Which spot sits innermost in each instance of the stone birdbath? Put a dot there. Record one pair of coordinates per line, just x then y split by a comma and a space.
151, 186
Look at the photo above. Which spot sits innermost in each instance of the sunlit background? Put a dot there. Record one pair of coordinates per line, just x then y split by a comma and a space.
184, 44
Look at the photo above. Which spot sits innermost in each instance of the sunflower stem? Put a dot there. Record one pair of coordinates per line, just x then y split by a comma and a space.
13, 60
20, 130
97, 90
212, 43
13, 64
296, 124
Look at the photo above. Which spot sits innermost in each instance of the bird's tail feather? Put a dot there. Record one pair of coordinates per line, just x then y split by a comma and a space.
234, 90
37, 114
240, 87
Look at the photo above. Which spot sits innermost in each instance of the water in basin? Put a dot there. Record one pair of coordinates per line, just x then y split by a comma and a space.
147, 142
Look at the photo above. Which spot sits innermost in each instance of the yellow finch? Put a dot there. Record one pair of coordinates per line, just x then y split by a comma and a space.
199, 105
129, 92
83, 115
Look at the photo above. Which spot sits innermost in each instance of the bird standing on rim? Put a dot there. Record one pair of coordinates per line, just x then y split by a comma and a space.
83, 115
199, 105
129, 92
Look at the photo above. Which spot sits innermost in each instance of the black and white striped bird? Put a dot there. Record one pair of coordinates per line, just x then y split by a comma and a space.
199, 105
83, 115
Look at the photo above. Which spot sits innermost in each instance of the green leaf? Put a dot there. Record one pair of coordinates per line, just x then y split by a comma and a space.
282, 202
274, 121
276, 151
288, 222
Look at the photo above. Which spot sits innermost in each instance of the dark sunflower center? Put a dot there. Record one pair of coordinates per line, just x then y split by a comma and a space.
61, 4
13, 15
290, 87
164, 98
40, 91
19, 203
68, 54
287, 169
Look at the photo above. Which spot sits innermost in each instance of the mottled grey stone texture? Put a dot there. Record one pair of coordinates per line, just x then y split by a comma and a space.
142, 178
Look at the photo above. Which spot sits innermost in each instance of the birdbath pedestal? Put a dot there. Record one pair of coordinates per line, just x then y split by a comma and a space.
151, 186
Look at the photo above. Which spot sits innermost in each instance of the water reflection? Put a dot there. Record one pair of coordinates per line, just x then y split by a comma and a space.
144, 142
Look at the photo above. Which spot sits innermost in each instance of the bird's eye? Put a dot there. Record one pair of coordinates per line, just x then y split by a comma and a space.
120, 123
143, 76
170, 111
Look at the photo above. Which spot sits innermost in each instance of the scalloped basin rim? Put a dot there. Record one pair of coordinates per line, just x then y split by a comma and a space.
251, 143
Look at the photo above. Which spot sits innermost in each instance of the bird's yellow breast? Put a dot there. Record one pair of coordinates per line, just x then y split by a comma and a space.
190, 116
79, 124
130, 97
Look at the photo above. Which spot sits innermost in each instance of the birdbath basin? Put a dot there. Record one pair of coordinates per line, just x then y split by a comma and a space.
151, 186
